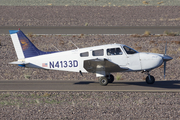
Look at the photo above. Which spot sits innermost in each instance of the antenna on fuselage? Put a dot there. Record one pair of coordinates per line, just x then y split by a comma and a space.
55, 47
74, 44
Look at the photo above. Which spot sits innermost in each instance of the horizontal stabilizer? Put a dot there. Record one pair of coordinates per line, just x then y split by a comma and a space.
19, 63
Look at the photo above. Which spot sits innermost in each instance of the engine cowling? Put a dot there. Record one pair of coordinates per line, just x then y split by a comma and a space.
150, 60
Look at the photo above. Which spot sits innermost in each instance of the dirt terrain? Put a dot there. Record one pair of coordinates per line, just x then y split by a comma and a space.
89, 16
89, 3
89, 105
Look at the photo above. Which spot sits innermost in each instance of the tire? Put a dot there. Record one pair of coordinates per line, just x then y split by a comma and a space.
148, 81
103, 81
111, 80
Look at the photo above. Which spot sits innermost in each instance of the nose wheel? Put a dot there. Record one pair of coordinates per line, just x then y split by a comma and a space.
150, 79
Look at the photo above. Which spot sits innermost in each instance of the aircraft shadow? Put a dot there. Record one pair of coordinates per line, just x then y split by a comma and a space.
157, 84
84, 82
175, 84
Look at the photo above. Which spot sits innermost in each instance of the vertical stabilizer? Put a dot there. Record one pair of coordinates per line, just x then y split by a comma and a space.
23, 46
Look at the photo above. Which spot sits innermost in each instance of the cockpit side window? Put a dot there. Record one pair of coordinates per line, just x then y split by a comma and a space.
114, 51
129, 50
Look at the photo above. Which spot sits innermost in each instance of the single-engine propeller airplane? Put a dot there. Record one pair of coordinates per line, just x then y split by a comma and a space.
102, 60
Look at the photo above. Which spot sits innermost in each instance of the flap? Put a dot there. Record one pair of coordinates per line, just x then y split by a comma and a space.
94, 65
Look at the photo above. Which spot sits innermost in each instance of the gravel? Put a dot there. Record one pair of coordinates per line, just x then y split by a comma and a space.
62, 42
89, 16
89, 105
90, 3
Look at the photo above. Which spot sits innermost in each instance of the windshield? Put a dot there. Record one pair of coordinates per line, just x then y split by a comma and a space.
129, 50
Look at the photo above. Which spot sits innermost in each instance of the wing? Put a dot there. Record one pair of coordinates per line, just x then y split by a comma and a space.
94, 65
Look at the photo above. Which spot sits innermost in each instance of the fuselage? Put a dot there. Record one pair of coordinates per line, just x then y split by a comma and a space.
73, 60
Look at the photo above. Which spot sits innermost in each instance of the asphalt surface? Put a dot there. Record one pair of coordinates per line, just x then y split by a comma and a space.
159, 86
90, 30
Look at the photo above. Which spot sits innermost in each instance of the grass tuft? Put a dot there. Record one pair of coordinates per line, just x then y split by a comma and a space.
170, 33
147, 33
160, 2
119, 77
30, 35
145, 2
82, 35
46, 95
86, 24
27, 76
37, 101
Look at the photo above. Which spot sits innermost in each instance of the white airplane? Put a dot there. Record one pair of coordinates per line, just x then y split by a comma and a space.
102, 60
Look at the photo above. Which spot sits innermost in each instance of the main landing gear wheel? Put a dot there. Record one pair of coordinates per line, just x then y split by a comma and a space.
110, 78
103, 81
150, 79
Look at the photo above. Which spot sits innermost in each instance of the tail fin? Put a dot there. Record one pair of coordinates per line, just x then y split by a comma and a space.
23, 46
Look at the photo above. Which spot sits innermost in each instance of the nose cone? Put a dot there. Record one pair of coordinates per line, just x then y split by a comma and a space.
167, 58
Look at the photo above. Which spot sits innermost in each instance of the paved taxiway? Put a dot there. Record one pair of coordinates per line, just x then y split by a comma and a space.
90, 29
135, 86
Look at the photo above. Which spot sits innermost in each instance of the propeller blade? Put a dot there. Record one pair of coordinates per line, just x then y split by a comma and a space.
164, 69
165, 48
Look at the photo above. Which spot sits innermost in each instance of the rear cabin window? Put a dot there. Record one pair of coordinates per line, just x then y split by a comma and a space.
98, 52
114, 51
84, 54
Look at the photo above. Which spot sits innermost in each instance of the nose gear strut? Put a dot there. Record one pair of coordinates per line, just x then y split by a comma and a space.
149, 79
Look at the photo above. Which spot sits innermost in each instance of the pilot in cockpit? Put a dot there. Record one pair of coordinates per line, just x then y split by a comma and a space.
118, 51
